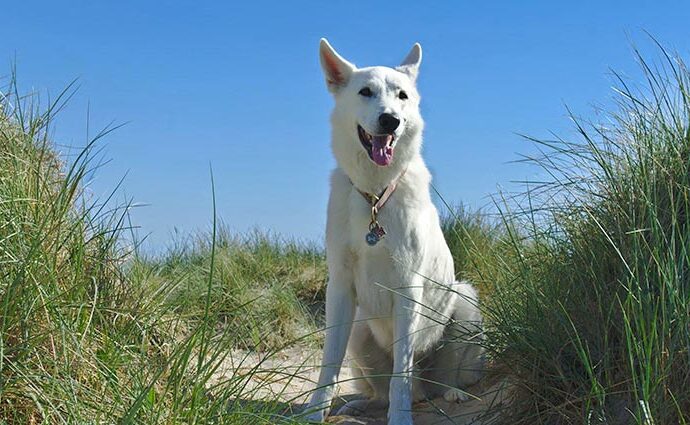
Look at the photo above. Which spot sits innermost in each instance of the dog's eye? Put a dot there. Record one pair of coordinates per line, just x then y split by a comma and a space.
402, 95
366, 92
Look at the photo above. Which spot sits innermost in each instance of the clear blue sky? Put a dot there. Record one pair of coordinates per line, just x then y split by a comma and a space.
238, 85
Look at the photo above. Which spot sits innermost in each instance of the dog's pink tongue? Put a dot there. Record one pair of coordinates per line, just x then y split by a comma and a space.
381, 151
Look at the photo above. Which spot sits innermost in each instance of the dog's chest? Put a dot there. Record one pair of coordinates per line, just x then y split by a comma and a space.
373, 266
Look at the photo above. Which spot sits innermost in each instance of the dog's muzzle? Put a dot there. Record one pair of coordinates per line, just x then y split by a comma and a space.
379, 147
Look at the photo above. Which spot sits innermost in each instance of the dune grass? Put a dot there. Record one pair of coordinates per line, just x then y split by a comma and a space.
591, 314
91, 332
276, 285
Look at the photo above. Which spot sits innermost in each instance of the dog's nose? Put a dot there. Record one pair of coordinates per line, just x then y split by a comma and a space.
388, 123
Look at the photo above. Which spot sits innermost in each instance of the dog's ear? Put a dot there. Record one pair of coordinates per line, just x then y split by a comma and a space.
410, 65
336, 69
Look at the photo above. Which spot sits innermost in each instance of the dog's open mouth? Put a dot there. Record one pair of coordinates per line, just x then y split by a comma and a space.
379, 147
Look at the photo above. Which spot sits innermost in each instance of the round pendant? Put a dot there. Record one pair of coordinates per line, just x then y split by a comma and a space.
372, 238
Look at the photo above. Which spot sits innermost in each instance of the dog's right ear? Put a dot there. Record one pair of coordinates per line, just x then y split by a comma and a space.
336, 69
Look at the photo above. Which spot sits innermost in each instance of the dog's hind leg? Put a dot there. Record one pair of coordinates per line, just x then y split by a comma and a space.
458, 360
452, 369
372, 367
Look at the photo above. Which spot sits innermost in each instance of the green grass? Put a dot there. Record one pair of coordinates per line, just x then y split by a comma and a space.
592, 313
276, 285
92, 333
585, 282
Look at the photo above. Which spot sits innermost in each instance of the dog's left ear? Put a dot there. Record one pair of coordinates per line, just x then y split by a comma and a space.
410, 65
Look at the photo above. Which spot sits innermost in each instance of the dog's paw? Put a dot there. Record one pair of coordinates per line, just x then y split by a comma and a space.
362, 407
317, 416
401, 419
455, 395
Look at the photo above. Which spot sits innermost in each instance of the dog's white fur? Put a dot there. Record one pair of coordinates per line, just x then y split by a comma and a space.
397, 303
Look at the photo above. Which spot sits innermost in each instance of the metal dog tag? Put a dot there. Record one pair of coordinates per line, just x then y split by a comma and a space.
376, 233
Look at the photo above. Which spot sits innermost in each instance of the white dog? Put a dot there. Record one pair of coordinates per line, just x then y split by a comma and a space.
413, 331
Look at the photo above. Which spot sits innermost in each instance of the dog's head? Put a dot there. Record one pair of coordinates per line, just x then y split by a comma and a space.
376, 119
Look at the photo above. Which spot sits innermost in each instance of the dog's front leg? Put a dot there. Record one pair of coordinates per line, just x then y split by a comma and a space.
405, 324
340, 311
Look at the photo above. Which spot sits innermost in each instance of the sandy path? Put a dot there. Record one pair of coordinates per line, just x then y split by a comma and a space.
288, 377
